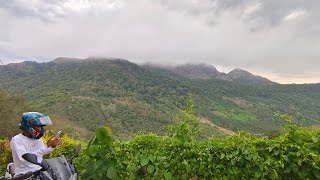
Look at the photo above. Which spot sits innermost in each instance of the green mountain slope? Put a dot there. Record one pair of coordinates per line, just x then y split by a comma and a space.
244, 77
131, 98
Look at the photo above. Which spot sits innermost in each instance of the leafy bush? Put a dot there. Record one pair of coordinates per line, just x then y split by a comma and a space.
183, 155
6, 156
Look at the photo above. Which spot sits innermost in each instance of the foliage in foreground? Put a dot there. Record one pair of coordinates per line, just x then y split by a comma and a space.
5, 155
185, 155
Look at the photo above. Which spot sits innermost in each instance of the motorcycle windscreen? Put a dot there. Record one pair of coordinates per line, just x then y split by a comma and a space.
59, 167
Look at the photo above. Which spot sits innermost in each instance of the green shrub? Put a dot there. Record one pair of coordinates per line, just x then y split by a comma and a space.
6, 156
294, 154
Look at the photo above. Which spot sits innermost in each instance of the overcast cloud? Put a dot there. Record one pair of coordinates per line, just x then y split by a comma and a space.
278, 39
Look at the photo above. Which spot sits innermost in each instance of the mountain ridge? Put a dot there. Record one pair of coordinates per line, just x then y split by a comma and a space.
205, 71
245, 77
131, 98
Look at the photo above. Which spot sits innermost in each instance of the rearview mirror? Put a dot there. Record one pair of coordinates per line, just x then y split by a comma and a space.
30, 158
77, 150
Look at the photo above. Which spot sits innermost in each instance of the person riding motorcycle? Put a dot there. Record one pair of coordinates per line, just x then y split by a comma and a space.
30, 141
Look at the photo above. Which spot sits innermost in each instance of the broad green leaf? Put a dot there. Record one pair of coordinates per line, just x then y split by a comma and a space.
102, 165
314, 139
107, 141
102, 133
150, 169
93, 150
285, 158
151, 158
222, 156
144, 160
161, 158
112, 172
90, 168
168, 176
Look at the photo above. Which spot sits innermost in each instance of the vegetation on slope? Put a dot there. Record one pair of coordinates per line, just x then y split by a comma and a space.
11, 109
185, 154
131, 98
10, 113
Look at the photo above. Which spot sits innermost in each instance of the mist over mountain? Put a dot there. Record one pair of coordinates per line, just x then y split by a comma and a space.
245, 77
129, 98
197, 71
204, 71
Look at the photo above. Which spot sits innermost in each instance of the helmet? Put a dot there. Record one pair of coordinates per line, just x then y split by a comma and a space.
30, 120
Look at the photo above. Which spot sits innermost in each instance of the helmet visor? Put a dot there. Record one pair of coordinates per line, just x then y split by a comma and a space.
45, 120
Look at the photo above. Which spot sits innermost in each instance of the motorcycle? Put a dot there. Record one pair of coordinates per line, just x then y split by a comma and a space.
57, 168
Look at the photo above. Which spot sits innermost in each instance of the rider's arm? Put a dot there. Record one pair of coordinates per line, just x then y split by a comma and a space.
43, 150
20, 149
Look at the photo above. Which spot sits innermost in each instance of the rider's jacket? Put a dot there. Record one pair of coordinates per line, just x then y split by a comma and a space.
20, 145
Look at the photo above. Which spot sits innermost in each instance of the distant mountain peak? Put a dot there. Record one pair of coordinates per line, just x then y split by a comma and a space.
192, 71
239, 72
245, 77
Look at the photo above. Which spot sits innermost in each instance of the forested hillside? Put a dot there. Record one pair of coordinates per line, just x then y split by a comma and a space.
129, 98
11, 111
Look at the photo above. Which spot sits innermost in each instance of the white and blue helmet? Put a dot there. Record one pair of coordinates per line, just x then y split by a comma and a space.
30, 120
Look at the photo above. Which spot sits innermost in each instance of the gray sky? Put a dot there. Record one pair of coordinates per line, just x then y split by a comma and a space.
277, 39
